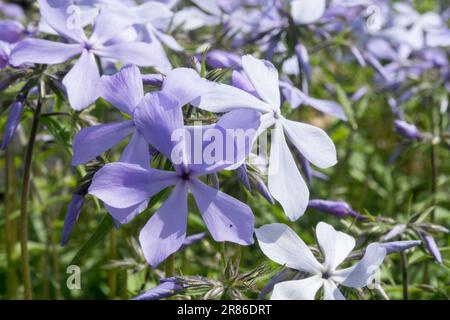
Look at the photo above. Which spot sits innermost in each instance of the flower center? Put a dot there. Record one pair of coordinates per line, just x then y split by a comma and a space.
276, 114
326, 275
185, 176
87, 46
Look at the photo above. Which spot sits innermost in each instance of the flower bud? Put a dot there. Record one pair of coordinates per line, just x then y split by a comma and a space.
338, 208
73, 212
431, 246
408, 131
167, 288
242, 175
399, 246
12, 123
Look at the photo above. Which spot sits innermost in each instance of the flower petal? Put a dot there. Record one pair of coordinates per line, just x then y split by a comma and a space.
282, 245
284, 177
227, 218
331, 291
307, 11
226, 98
335, 245
157, 117
137, 151
312, 142
64, 19
165, 232
139, 53
125, 215
108, 25
224, 144
92, 141
124, 90
296, 98
264, 77
42, 51
186, 85
360, 274
121, 185
81, 82
305, 289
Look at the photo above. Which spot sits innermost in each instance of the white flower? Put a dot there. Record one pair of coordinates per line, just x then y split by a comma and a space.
282, 245
284, 179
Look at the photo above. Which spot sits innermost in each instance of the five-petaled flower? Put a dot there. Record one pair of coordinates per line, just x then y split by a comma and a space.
313, 143
105, 42
282, 245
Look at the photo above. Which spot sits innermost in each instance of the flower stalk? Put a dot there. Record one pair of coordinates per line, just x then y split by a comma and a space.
26, 274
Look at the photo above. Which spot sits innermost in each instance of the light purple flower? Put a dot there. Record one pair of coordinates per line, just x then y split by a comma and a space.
81, 81
313, 143
282, 245
121, 185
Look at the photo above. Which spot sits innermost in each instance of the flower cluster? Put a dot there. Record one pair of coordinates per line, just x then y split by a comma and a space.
185, 118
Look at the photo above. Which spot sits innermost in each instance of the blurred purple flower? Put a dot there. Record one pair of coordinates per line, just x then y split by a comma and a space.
407, 130
222, 59
82, 80
303, 60
12, 10
360, 93
10, 31
340, 209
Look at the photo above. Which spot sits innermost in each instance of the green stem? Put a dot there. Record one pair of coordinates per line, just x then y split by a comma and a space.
113, 256
10, 225
26, 274
433, 165
404, 262
169, 266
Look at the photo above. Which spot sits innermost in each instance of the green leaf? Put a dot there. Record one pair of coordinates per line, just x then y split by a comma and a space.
421, 216
102, 230
58, 131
